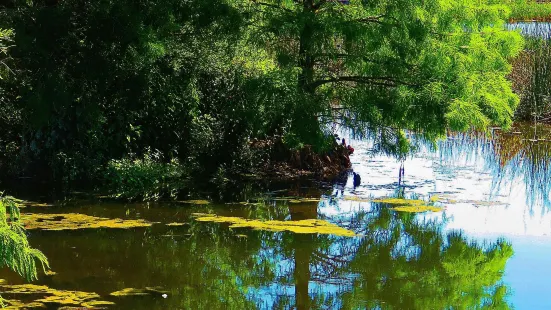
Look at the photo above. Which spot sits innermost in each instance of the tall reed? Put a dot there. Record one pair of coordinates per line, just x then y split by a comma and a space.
531, 78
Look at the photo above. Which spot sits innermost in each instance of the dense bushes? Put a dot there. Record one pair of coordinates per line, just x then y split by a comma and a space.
92, 82
146, 178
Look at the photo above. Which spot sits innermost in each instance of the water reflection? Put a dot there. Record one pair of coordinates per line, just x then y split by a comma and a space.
520, 156
534, 29
402, 261
452, 259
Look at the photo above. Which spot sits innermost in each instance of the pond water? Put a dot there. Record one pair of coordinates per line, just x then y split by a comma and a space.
532, 29
489, 245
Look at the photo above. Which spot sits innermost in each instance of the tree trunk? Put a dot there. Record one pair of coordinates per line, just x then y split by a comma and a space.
306, 60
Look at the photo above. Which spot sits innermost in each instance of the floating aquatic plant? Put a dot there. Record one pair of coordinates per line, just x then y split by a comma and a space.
139, 292
400, 201
409, 205
417, 209
71, 221
312, 226
50, 296
195, 202
176, 224
356, 198
304, 200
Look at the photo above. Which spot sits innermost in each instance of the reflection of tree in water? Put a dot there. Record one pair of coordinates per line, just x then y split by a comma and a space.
508, 156
401, 263
404, 263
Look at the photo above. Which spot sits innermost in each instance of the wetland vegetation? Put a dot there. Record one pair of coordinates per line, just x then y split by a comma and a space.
301, 154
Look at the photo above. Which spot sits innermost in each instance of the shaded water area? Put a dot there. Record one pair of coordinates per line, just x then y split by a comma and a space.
488, 242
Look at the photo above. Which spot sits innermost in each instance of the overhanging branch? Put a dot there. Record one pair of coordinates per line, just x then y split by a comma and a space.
371, 80
272, 5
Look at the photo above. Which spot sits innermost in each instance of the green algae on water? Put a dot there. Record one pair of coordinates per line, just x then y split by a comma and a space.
195, 202
312, 226
409, 205
304, 200
139, 292
417, 209
72, 221
18, 304
49, 296
176, 224
400, 201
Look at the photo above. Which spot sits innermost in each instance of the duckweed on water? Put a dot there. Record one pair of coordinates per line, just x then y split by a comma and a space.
50, 296
195, 202
409, 205
18, 304
400, 201
139, 292
71, 221
130, 292
356, 198
303, 200
176, 224
417, 209
312, 226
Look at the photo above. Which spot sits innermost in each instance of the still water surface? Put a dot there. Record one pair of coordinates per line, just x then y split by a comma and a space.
489, 247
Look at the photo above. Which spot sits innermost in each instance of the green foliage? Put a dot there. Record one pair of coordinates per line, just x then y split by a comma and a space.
147, 178
399, 64
15, 251
198, 80
5, 38
528, 10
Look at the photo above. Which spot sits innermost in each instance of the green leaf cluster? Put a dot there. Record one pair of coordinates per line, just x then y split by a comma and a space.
15, 251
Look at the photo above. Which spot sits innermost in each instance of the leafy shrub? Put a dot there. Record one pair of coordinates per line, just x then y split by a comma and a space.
15, 251
147, 178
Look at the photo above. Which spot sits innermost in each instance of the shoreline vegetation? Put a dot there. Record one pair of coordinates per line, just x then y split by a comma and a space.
220, 125
247, 110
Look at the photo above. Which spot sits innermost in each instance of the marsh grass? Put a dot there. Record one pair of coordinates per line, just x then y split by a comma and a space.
531, 78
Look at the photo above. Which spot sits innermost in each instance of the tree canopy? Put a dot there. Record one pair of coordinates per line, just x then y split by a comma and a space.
198, 80
386, 66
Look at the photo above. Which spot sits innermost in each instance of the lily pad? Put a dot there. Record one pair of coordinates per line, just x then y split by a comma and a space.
312, 226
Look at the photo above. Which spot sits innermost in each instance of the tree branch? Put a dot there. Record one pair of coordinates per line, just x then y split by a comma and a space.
271, 5
373, 80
